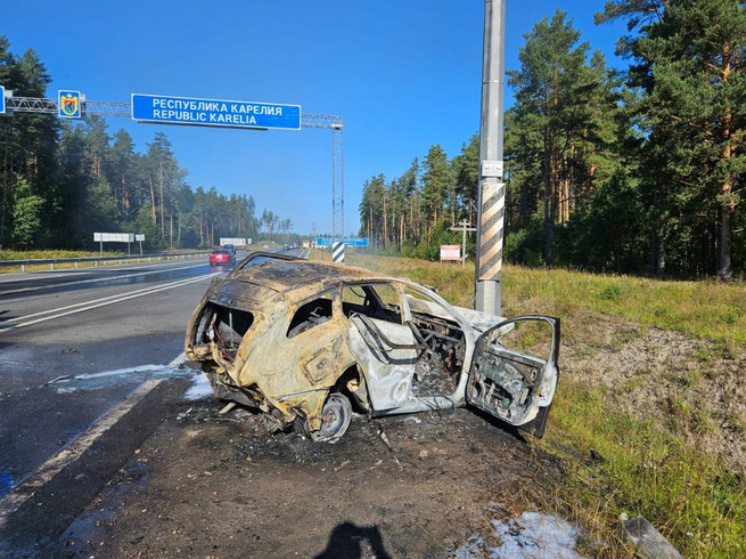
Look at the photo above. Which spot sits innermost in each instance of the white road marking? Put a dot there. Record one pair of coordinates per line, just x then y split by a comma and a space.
44, 473
97, 303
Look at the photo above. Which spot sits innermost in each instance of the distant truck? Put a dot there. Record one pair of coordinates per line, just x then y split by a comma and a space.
306, 244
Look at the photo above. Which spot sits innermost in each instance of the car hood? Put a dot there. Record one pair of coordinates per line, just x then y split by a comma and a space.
480, 321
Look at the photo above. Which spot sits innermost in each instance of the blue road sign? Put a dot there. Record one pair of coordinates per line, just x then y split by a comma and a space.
355, 242
214, 112
68, 103
2, 100
349, 241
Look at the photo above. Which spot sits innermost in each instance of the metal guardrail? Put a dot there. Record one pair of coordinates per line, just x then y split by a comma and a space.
119, 259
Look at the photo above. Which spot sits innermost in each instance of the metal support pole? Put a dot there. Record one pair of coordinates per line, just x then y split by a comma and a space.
338, 185
491, 188
334, 192
342, 179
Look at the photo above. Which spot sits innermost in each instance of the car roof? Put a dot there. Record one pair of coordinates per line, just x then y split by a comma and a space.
299, 279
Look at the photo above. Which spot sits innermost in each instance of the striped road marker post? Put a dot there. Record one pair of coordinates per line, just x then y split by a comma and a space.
338, 253
490, 230
491, 235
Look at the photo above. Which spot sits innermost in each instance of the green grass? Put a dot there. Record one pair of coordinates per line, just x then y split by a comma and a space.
48, 254
695, 501
707, 310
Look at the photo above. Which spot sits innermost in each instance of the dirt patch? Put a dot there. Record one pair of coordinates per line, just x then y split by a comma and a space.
220, 486
692, 387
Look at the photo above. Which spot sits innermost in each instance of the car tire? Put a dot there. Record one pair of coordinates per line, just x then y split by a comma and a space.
336, 416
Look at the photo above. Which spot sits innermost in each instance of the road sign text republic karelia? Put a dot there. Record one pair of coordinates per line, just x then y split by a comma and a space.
214, 112
349, 241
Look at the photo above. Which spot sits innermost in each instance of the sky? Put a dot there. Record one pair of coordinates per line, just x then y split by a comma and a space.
403, 74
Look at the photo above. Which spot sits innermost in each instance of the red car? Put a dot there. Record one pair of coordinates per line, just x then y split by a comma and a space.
222, 257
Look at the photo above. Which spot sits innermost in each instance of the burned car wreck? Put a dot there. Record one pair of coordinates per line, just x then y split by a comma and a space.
307, 342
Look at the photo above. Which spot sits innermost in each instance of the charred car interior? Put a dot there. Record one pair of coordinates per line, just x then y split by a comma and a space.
306, 343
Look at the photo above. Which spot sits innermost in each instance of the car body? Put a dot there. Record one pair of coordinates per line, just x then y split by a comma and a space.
303, 341
222, 257
230, 247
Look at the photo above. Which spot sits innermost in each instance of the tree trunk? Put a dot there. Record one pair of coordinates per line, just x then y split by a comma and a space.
549, 198
152, 201
125, 199
401, 231
660, 261
725, 271
385, 224
6, 187
160, 191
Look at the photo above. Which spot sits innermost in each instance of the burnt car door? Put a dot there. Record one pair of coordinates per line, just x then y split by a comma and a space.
383, 347
514, 373
314, 342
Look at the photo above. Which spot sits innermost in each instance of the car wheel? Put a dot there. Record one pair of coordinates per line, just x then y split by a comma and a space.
336, 416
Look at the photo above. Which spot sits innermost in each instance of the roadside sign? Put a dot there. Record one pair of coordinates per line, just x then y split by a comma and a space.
128, 238
2, 100
355, 242
450, 252
214, 112
349, 241
238, 241
113, 237
69, 103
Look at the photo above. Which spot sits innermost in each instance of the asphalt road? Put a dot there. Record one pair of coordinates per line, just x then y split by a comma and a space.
78, 326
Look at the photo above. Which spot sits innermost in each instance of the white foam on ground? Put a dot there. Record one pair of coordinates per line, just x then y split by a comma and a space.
106, 379
200, 388
534, 535
117, 372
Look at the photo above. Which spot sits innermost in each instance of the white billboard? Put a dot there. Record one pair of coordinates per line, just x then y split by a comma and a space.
238, 241
114, 237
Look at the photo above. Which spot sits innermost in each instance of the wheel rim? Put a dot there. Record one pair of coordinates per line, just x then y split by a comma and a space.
335, 418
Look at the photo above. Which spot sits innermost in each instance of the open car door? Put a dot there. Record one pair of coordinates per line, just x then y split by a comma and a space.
508, 380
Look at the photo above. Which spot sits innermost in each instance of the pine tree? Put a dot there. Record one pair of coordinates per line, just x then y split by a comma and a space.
690, 57
556, 128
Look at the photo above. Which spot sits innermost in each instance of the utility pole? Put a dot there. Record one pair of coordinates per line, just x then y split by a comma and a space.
465, 226
491, 187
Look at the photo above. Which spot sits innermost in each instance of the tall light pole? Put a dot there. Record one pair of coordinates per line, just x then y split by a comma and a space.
490, 216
